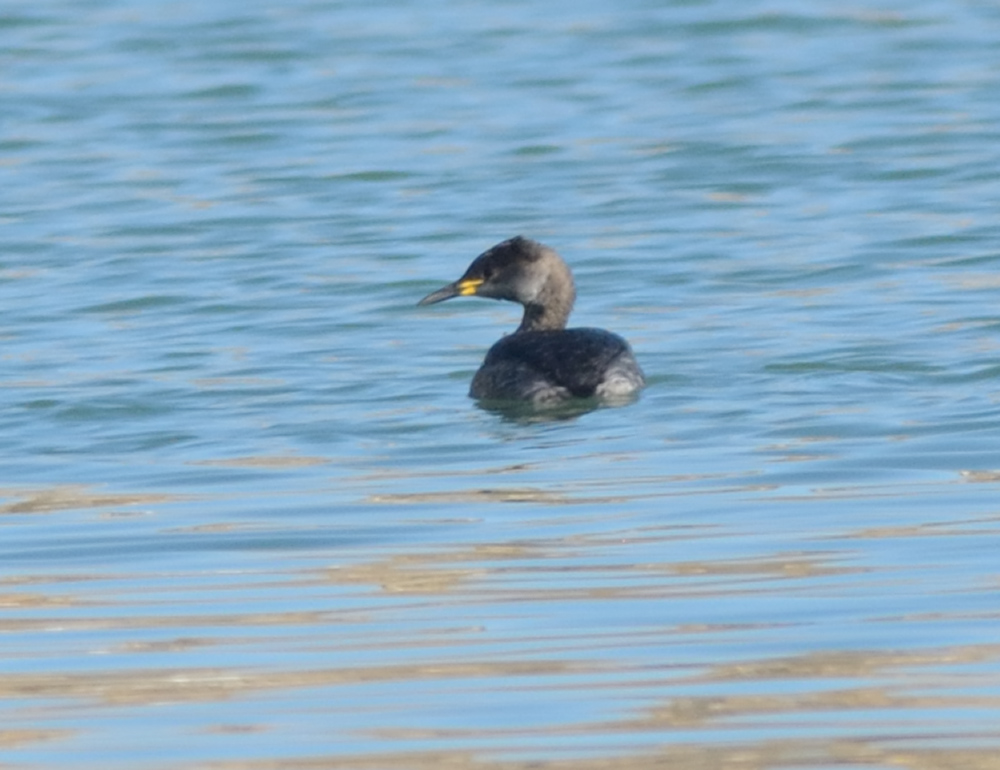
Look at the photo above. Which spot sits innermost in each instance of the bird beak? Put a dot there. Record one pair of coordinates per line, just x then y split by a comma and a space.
461, 288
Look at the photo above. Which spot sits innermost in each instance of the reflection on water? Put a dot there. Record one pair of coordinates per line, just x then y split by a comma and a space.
525, 413
65, 498
660, 637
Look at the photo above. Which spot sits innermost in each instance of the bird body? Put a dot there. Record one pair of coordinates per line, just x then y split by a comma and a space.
542, 362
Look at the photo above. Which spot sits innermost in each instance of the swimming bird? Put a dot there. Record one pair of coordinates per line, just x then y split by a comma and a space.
542, 362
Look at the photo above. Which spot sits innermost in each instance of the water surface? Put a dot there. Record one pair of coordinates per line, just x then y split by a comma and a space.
250, 518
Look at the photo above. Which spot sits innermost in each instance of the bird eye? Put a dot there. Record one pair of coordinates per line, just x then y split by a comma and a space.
487, 273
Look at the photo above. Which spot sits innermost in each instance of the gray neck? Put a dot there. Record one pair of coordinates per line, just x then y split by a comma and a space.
551, 308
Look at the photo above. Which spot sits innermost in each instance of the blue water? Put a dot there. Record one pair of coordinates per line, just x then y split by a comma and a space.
249, 517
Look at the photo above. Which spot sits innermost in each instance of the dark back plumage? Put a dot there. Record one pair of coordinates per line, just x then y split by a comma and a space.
574, 359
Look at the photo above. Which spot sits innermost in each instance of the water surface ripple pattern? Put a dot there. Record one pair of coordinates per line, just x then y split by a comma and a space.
249, 517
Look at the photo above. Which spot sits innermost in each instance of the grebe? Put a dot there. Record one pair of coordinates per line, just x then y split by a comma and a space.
542, 361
